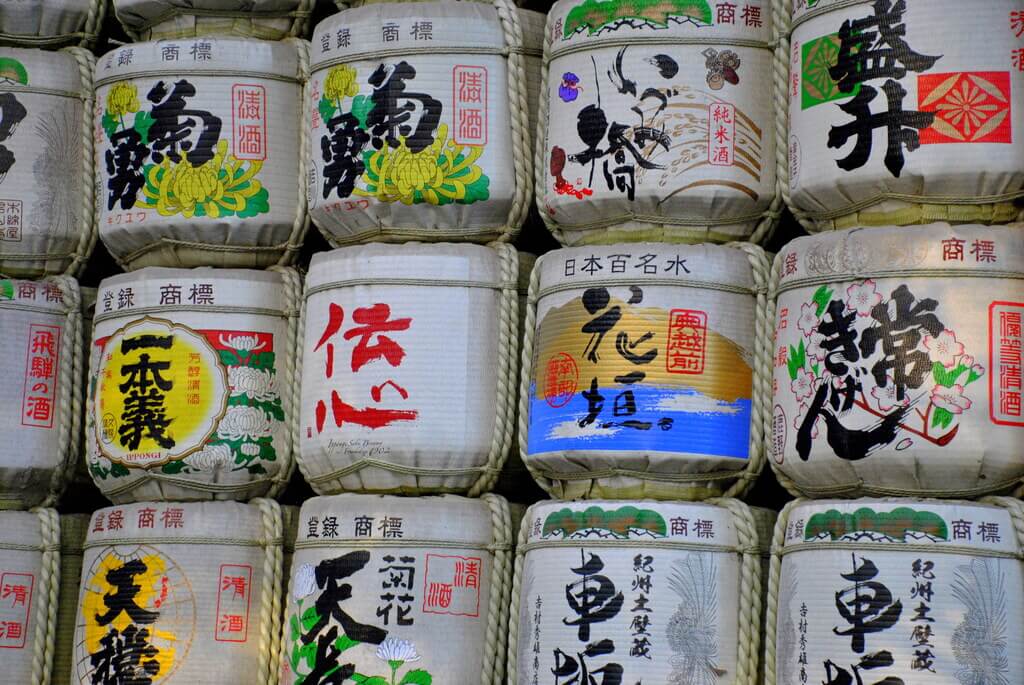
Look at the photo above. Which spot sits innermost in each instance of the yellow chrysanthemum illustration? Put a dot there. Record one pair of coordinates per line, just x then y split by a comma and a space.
221, 186
122, 99
440, 174
340, 83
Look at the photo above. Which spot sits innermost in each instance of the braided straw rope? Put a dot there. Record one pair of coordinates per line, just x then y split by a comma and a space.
516, 597
89, 222
70, 376
768, 219
291, 399
772, 613
270, 592
498, 609
43, 642
301, 223
760, 416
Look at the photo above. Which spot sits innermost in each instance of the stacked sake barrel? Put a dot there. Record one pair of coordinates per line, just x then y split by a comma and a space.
644, 391
896, 348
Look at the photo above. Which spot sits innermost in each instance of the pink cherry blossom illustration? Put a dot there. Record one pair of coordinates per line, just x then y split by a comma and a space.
863, 297
944, 348
814, 351
808, 321
803, 385
798, 421
951, 399
886, 397
977, 369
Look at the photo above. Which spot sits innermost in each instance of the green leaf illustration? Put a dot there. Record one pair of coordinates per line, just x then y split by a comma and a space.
118, 471
262, 360
327, 109
110, 124
143, 122
942, 417
174, 467
821, 298
477, 191
257, 204
345, 642
310, 617
814, 368
417, 677
368, 679
947, 379
361, 107
971, 377
797, 359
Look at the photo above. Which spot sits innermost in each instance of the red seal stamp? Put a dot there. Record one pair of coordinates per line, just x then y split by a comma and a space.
561, 378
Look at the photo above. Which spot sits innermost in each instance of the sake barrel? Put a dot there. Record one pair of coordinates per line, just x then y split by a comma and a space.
418, 123
409, 358
645, 591
193, 384
646, 371
180, 592
633, 147
896, 591
896, 363
29, 582
41, 329
51, 23
176, 19
46, 149
73, 529
932, 132
411, 590
199, 152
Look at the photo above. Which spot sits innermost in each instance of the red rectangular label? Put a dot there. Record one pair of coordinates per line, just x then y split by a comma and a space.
452, 585
249, 121
42, 360
721, 134
1006, 344
233, 592
15, 605
469, 94
687, 339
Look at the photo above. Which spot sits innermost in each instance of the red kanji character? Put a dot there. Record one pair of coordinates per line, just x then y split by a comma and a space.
374, 321
370, 417
231, 623
18, 592
236, 583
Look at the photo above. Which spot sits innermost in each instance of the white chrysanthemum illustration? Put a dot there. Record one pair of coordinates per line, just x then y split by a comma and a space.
394, 649
951, 399
808, 321
242, 343
887, 397
863, 297
244, 423
250, 449
944, 348
210, 458
258, 384
803, 385
304, 581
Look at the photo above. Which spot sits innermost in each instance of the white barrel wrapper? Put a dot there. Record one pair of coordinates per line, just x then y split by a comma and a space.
41, 329
642, 376
897, 362
29, 581
180, 592
73, 529
897, 591
197, 148
906, 112
192, 384
652, 591
411, 590
162, 19
51, 23
418, 123
409, 357
657, 122
46, 222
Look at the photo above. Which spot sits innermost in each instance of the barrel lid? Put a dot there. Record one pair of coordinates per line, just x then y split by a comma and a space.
73, 529
415, 521
593, 22
190, 56
20, 529
227, 523
35, 295
931, 249
610, 521
26, 69
643, 262
194, 289
959, 526
141, 14
441, 262
361, 32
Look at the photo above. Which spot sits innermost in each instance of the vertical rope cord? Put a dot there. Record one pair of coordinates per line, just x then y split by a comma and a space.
291, 396
773, 293
301, 20
519, 109
69, 380
300, 226
93, 25
543, 110
772, 612
749, 633
497, 613
516, 597
270, 591
525, 375
760, 419
88, 220
508, 340
49, 588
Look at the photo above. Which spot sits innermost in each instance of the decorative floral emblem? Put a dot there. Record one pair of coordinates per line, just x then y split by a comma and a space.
970, 107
